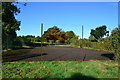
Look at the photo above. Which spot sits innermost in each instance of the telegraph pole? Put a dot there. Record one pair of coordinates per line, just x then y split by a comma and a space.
83, 43
82, 33
41, 39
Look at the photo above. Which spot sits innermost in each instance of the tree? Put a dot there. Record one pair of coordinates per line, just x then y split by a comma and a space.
92, 38
9, 23
115, 42
59, 36
52, 33
70, 34
99, 32
74, 40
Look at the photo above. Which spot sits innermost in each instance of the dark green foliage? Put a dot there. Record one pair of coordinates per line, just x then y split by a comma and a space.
67, 41
9, 23
115, 42
51, 41
99, 32
57, 42
43, 38
92, 38
85, 43
74, 41
70, 34
27, 39
18, 42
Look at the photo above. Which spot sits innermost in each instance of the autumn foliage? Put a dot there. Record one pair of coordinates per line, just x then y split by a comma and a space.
57, 35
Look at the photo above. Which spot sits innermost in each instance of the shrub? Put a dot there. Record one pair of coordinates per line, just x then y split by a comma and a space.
74, 41
67, 41
57, 42
115, 42
51, 41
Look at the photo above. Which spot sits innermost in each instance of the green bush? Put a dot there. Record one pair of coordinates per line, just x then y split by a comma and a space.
84, 43
57, 42
115, 42
51, 41
87, 43
74, 41
67, 42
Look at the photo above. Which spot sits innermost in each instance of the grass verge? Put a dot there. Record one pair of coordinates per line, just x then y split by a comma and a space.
61, 69
88, 48
63, 45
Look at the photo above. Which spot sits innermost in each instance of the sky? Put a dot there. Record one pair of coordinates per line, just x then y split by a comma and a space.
67, 16
68, 0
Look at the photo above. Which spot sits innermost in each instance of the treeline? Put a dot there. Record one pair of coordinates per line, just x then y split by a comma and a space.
20, 41
29, 38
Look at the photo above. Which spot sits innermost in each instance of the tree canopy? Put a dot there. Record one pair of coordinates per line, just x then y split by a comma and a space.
99, 32
114, 40
54, 33
70, 34
9, 23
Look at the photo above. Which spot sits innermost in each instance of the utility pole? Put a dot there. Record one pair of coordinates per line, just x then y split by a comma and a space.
41, 39
82, 33
83, 43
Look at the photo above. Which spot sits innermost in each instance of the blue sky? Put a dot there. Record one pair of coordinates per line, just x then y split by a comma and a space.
68, 0
67, 16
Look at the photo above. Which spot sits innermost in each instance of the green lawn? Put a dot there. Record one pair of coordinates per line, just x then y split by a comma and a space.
61, 69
